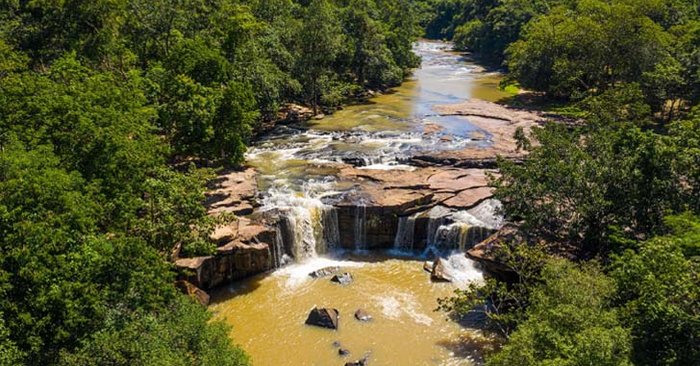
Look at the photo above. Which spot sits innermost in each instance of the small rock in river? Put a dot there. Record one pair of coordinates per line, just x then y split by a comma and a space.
343, 279
439, 273
428, 266
362, 315
360, 362
323, 272
336, 344
343, 352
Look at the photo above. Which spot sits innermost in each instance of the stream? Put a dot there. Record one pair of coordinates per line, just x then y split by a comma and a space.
298, 169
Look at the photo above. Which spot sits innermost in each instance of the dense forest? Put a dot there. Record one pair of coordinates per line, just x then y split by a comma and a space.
114, 115
605, 253
109, 112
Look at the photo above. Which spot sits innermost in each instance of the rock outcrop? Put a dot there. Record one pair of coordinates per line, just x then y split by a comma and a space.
193, 291
439, 272
324, 317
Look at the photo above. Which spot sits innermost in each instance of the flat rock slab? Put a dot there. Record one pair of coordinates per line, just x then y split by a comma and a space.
324, 318
469, 198
232, 192
402, 191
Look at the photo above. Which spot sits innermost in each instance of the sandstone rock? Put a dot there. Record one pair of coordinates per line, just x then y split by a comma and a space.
323, 272
193, 291
235, 260
362, 315
325, 318
439, 272
343, 279
469, 198
232, 191
295, 113
456, 180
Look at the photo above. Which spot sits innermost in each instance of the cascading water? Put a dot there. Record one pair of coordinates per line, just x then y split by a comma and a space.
306, 226
405, 233
360, 227
449, 231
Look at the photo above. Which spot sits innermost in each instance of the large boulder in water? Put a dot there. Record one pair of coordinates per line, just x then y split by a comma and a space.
343, 279
439, 273
325, 318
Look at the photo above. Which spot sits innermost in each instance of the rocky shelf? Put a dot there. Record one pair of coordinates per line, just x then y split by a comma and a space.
378, 202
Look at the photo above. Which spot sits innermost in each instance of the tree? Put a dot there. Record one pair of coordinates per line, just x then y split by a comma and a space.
576, 186
592, 48
569, 322
320, 42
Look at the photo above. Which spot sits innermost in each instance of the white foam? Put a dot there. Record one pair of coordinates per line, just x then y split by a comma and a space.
462, 270
298, 273
398, 304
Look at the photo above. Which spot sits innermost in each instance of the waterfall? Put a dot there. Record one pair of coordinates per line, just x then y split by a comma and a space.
448, 231
277, 253
306, 226
404, 239
360, 227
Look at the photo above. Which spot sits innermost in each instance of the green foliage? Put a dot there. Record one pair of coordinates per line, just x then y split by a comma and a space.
567, 54
503, 303
568, 322
179, 335
659, 294
577, 185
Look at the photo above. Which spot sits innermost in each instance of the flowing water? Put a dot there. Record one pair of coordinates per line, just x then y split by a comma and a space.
297, 166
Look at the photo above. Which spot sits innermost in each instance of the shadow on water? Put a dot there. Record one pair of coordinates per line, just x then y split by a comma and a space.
239, 288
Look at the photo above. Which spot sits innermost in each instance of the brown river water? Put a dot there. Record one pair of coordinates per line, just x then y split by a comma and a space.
267, 312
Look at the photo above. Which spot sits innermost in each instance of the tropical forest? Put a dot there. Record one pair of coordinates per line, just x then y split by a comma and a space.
350, 182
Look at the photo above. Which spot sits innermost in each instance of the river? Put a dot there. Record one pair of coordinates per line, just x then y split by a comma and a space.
297, 167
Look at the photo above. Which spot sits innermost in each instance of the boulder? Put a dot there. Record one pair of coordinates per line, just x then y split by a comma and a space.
323, 272
324, 318
439, 272
343, 351
362, 315
343, 279
193, 291
428, 266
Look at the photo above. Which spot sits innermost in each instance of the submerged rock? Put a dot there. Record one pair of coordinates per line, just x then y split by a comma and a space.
323, 272
360, 362
439, 273
362, 315
325, 318
343, 279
